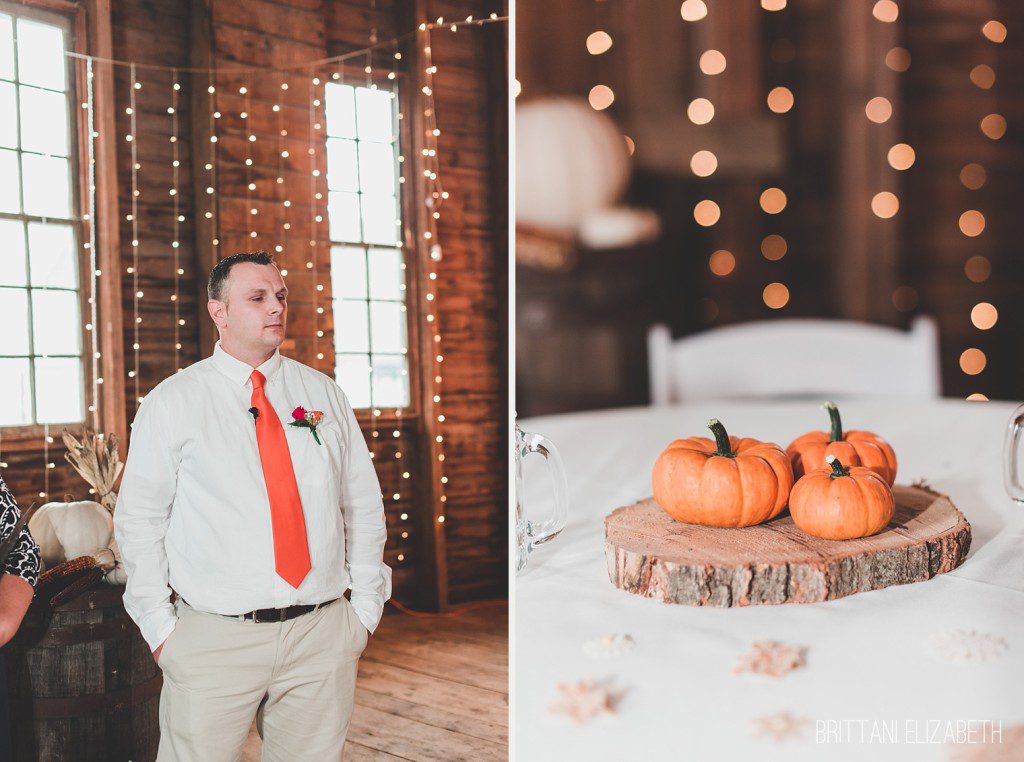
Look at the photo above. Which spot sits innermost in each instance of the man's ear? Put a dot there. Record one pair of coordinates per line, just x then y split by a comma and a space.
218, 312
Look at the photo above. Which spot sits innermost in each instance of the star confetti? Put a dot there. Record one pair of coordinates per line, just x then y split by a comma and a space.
779, 727
965, 646
583, 701
609, 646
769, 657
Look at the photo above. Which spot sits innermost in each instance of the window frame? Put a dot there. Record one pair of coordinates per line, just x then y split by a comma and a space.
408, 245
71, 17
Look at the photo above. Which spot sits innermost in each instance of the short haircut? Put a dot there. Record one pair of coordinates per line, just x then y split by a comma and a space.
219, 274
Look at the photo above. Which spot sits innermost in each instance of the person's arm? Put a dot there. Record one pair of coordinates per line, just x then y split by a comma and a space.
15, 597
20, 570
365, 529
141, 517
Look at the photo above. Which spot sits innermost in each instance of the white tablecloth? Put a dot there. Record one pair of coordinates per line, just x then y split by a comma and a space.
867, 657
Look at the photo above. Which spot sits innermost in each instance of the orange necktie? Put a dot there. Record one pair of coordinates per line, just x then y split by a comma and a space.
291, 554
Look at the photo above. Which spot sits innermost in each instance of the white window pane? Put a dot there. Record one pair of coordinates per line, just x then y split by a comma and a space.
44, 121
343, 216
52, 259
352, 372
377, 168
8, 117
351, 332
348, 272
12, 253
390, 381
15, 391
6, 47
374, 109
10, 182
47, 185
340, 110
387, 325
56, 323
342, 170
387, 278
380, 219
58, 389
41, 55
14, 308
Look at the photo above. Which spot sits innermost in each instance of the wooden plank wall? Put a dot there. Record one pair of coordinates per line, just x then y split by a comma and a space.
471, 286
470, 95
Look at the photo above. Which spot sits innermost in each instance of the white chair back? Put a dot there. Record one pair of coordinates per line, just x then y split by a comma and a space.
795, 358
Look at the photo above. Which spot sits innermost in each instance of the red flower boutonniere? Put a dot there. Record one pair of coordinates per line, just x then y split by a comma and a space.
307, 419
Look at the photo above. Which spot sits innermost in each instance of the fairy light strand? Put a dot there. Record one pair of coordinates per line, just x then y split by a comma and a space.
211, 168
94, 272
176, 230
311, 263
247, 133
983, 315
281, 154
319, 63
436, 195
136, 293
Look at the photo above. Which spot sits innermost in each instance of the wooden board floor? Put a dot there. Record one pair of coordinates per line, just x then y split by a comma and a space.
430, 689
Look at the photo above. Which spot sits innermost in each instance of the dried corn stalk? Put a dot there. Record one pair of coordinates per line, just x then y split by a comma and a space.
63, 571
96, 459
79, 586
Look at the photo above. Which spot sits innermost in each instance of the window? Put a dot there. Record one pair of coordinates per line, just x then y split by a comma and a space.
367, 262
41, 343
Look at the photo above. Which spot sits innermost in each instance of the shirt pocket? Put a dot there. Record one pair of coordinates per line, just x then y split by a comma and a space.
316, 464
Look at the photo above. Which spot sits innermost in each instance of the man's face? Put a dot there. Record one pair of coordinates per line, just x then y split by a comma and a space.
254, 310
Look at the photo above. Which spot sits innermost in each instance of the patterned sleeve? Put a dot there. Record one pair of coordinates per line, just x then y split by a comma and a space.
23, 560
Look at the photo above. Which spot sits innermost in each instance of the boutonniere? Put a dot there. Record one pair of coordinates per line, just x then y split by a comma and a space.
307, 419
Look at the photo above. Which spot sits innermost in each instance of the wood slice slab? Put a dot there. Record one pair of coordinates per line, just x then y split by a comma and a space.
651, 554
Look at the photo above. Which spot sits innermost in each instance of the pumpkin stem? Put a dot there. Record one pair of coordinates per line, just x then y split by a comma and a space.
838, 469
721, 438
837, 423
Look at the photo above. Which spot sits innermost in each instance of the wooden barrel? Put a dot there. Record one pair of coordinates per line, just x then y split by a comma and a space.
83, 684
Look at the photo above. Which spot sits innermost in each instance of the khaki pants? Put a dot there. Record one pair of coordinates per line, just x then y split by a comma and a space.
297, 678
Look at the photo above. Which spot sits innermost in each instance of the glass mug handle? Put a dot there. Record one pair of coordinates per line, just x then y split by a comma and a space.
546, 530
1011, 453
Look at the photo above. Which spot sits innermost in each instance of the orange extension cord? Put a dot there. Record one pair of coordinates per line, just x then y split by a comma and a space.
456, 612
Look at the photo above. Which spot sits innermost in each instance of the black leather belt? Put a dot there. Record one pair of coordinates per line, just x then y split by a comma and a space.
280, 615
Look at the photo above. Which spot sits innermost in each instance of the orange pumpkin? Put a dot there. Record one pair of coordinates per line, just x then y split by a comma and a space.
854, 448
728, 482
840, 503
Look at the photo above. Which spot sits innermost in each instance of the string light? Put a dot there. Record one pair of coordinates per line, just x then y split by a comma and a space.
599, 42
249, 139
94, 272
46, 461
136, 293
773, 201
971, 222
175, 241
211, 168
435, 198
313, 237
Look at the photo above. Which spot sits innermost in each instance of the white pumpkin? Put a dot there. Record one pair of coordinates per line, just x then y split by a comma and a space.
570, 160
69, 530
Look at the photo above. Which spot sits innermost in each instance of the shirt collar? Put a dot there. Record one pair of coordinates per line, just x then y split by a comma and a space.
239, 371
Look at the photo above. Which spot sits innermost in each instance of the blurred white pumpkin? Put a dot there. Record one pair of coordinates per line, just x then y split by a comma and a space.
570, 161
69, 530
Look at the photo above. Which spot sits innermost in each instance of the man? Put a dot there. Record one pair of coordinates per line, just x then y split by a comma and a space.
258, 526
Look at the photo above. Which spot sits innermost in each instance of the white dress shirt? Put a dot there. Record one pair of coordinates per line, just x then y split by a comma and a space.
193, 514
